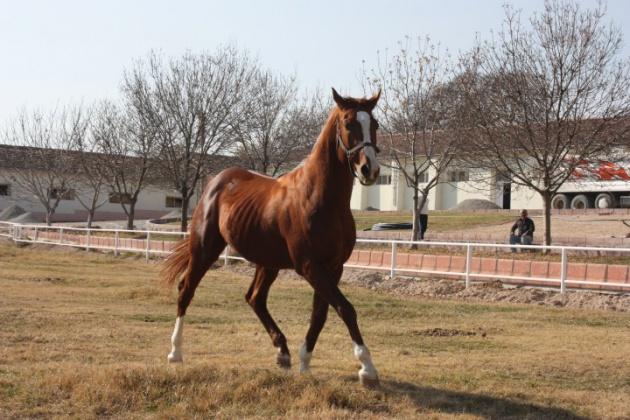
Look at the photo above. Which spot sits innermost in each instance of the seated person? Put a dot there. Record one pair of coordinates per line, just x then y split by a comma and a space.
522, 231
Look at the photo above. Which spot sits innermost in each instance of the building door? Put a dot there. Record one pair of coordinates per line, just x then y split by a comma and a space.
503, 192
507, 195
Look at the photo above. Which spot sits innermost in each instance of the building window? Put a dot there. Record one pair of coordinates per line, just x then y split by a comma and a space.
384, 180
424, 177
174, 202
457, 176
62, 194
120, 198
5, 190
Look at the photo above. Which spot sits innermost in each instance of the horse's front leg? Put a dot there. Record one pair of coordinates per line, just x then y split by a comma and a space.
325, 285
318, 319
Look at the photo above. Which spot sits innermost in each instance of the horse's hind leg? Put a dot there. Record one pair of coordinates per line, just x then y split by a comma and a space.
202, 256
257, 298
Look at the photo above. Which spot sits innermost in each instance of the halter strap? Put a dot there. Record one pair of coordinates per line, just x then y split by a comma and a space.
350, 152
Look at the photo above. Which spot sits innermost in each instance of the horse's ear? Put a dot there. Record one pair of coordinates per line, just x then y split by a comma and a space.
371, 103
341, 102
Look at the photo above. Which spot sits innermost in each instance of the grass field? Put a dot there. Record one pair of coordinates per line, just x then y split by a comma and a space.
86, 335
440, 221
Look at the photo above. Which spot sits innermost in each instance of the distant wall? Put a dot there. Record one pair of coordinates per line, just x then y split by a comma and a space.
151, 204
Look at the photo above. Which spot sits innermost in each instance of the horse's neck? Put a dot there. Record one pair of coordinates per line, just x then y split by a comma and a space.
327, 166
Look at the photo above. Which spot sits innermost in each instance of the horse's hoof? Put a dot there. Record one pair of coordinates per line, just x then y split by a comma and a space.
284, 361
175, 358
369, 383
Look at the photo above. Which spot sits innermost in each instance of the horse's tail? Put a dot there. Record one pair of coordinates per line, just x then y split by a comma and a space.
176, 263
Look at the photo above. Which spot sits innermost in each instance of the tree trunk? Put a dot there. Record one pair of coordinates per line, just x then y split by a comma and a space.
49, 214
415, 229
185, 204
131, 215
547, 216
90, 218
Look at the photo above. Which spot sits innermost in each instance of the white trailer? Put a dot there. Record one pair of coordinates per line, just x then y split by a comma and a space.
595, 184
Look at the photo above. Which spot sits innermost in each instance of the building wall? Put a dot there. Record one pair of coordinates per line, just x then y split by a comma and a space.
525, 198
151, 204
381, 197
451, 194
446, 195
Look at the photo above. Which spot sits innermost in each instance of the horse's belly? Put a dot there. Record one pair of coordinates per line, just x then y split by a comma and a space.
266, 251
256, 240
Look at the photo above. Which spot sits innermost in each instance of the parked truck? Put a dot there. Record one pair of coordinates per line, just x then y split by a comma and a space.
595, 184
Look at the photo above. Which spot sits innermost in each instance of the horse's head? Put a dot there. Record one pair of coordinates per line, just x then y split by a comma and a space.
356, 135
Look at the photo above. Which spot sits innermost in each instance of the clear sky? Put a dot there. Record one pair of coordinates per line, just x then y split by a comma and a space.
66, 51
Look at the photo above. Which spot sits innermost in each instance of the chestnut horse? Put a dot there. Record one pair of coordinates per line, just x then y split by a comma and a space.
301, 220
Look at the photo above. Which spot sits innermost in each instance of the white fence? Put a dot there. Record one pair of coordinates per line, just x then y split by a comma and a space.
467, 272
615, 277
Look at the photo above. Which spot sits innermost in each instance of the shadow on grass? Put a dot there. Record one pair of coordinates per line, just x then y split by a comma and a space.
476, 404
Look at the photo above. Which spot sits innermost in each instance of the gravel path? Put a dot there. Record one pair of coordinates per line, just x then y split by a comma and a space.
478, 292
577, 225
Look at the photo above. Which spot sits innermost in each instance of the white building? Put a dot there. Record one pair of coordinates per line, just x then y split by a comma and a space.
154, 201
391, 192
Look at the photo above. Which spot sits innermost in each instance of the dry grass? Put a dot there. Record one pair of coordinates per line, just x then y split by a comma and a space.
439, 221
86, 335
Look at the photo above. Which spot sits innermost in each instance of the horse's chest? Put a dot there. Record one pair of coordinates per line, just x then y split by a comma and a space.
331, 238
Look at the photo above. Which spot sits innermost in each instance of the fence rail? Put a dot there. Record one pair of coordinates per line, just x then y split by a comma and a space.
562, 274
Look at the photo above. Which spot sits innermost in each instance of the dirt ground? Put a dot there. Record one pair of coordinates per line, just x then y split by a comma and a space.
488, 292
568, 225
478, 292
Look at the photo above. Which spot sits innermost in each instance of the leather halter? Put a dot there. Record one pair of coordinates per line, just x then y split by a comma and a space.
350, 152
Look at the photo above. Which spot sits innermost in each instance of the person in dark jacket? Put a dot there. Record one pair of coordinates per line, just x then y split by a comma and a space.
522, 231
424, 218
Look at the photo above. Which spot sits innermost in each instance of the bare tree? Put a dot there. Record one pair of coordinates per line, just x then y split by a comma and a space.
276, 126
190, 102
127, 147
45, 171
539, 101
415, 110
91, 187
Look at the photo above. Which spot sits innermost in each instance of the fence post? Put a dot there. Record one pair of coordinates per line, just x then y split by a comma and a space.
60, 236
148, 245
36, 234
392, 272
226, 251
468, 264
88, 239
116, 236
563, 270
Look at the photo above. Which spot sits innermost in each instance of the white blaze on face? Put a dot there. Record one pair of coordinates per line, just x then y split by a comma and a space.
365, 121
